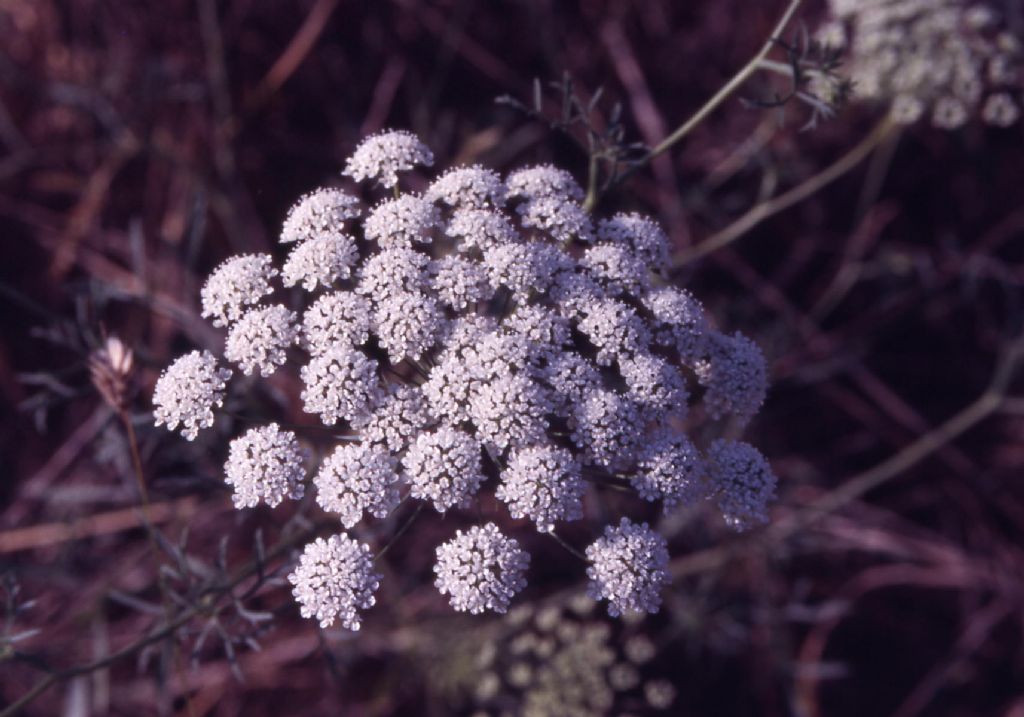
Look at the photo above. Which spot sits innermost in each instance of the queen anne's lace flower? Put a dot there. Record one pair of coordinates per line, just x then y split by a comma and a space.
341, 317
742, 483
402, 221
323, 260
481, 569
443, 466
679, 321
407, 324
334, 580
669, 470
607, 427
654, 385
480, 229
260, 338
468, 187
187, 392
615, 330
629, 566
616, 269
265, 464
239, 282
543, 180
506, 351
641, 235
563, 220
942, 59
383, 155
460, 283
542, 483
735, 374
509, 411
321, 213
340, 383
392, 271
397, 419
357, 479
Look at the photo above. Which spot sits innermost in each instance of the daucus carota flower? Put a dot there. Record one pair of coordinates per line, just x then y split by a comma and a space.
542, 482
357, 479
340, 383
341, 317
628, 568
481, 569
260, 338
742, 483
320, 261
265, 464
382, 156
187, 392
402, 221
334, 580
321, 213
443, 466
474, 187
238, 283
479, 347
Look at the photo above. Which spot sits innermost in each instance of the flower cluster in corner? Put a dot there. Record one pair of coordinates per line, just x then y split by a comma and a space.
945, 61
488, 328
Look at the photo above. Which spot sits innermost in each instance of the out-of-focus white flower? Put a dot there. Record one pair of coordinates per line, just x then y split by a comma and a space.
735, 374
334, 580
187, 391
742, 483
628, 567
383, 155
265, 464
481, 569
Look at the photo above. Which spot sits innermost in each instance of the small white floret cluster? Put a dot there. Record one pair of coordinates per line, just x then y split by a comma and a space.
944, 61
485, 335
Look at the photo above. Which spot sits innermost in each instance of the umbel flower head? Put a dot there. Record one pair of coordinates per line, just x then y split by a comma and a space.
334, 580
265, 464
188, 391
943, 61
484, 339
480, 569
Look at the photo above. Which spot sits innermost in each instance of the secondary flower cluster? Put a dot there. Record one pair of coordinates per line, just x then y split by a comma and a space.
485, 331
944, 60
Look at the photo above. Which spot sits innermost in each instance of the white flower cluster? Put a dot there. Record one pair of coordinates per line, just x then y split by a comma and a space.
943, 60
484, 329
265, 463
480, 569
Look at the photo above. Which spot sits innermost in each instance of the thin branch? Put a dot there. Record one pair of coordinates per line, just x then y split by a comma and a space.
723, 94
763, 210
